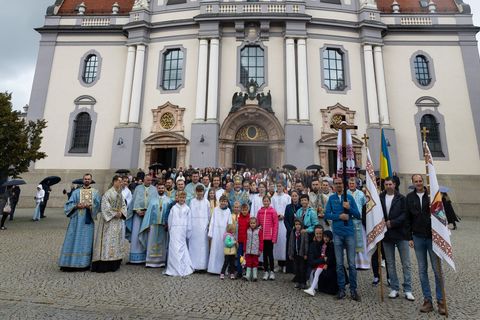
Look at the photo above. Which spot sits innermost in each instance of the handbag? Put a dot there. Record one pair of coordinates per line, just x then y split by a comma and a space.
7, 208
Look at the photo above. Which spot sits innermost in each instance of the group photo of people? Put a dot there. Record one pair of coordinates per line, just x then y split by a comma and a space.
251, 225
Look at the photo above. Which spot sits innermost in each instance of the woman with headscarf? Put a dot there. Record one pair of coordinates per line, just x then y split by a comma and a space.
38, 200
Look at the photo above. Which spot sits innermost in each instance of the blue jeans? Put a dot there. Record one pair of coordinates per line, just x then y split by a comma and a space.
239, 265
348, 243
423, 246
36, 213
404, 251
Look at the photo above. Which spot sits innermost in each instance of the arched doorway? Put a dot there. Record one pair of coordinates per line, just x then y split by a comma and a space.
252, 136
168, 148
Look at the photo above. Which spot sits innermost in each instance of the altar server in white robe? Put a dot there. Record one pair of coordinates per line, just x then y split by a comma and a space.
218, 225
257, 199
179, 229
280, 200
198, 242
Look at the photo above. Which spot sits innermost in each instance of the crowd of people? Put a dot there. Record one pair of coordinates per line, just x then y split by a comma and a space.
233, 223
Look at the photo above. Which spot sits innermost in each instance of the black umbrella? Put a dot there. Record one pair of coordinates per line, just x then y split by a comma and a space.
122, 171
314, 167
239, 164
80, 181
289, 167
155, 166
50, 181
14, 182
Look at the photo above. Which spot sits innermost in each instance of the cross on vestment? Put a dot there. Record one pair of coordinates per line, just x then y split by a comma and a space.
365, 139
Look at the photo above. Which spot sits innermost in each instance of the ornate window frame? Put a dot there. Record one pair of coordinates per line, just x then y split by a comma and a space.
431, 69
441, 128
247, 43
161, 66
346, 68
82, 68
82, 104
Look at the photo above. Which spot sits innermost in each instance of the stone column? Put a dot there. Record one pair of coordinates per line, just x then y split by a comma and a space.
134, 114
202, 80
303, 108
370, 85
212, 104
127, 85
381, 87
290, 75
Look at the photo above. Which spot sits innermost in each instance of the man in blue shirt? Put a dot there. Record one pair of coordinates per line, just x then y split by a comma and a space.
341, 213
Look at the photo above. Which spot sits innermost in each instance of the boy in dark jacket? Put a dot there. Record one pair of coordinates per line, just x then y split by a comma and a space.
298, 253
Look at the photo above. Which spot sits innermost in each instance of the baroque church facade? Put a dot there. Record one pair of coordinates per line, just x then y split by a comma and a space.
124, 83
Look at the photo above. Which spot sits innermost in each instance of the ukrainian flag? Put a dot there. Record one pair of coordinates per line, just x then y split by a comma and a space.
385, 164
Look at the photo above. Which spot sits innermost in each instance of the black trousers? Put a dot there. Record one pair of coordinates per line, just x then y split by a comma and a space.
230, 263
268, 255
43, 205
374, 263
300, 270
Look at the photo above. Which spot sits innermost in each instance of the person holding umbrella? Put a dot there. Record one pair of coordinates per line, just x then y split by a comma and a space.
38, 200
46, 184
5, 206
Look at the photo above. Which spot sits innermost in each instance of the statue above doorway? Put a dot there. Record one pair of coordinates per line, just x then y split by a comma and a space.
263, 100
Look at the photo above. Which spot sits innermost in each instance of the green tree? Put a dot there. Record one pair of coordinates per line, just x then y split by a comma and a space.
20, 140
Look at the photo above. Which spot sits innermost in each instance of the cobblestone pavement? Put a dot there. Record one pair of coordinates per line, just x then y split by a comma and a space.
32, 287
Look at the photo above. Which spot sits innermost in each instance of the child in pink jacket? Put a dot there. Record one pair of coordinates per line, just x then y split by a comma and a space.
268, 220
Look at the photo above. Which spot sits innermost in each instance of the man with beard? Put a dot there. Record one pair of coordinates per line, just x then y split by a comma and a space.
318, 201
81, 208
190, 188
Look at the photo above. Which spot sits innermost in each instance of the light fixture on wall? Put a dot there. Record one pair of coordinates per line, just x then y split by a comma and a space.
120, 141
202, 139
301, 139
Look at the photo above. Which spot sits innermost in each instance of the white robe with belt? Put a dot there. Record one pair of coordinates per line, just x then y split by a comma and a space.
198, 242
179, 227
217, 227
279, 203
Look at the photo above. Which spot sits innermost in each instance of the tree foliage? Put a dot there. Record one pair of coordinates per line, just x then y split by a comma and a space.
20, 140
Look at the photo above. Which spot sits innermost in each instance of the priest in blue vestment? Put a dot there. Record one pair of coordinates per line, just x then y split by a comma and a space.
81, 208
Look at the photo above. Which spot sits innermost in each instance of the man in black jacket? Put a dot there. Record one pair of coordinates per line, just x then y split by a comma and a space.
394, 213
420, 235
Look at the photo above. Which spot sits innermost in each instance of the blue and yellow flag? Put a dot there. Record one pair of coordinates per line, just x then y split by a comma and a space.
385, 164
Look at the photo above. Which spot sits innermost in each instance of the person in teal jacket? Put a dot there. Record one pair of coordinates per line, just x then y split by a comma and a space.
307, 215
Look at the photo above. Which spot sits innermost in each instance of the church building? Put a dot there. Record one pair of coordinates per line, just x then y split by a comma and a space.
128, 83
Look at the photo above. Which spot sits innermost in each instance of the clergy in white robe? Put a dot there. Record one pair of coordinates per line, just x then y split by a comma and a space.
108, 244
179, 229
198, 242
280, 200
218, 225
143, 195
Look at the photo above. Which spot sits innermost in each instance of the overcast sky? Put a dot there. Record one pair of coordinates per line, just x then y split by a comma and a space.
19, 44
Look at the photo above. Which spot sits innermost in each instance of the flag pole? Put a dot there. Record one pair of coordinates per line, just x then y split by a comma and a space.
379, 244
425, 131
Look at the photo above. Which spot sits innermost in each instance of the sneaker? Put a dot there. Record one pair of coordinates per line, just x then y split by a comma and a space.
355, 296
375, 282
232, 276
272, 276
409, 296
426, 306
341, 295
393, 294
310, 291
265, 275
222, 276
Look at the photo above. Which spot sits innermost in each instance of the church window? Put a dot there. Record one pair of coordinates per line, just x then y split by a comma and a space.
422, 70
90, 69
172, 73
81, 133
433, 137
252, 65
334, 69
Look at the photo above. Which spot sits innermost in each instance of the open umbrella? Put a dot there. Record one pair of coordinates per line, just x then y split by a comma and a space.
122, 171
14, 182
50, 181
239, 164
289, 167
155, 166
314, 167
80, 181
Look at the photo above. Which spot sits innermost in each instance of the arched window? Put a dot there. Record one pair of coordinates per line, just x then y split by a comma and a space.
172, 69
422, 70
252, 65
81, 133
90, 68
333, 69
433, 137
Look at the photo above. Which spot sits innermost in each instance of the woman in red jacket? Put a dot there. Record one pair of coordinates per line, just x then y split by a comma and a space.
268, 220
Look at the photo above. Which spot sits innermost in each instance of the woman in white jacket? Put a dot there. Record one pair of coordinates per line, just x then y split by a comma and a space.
38, 200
